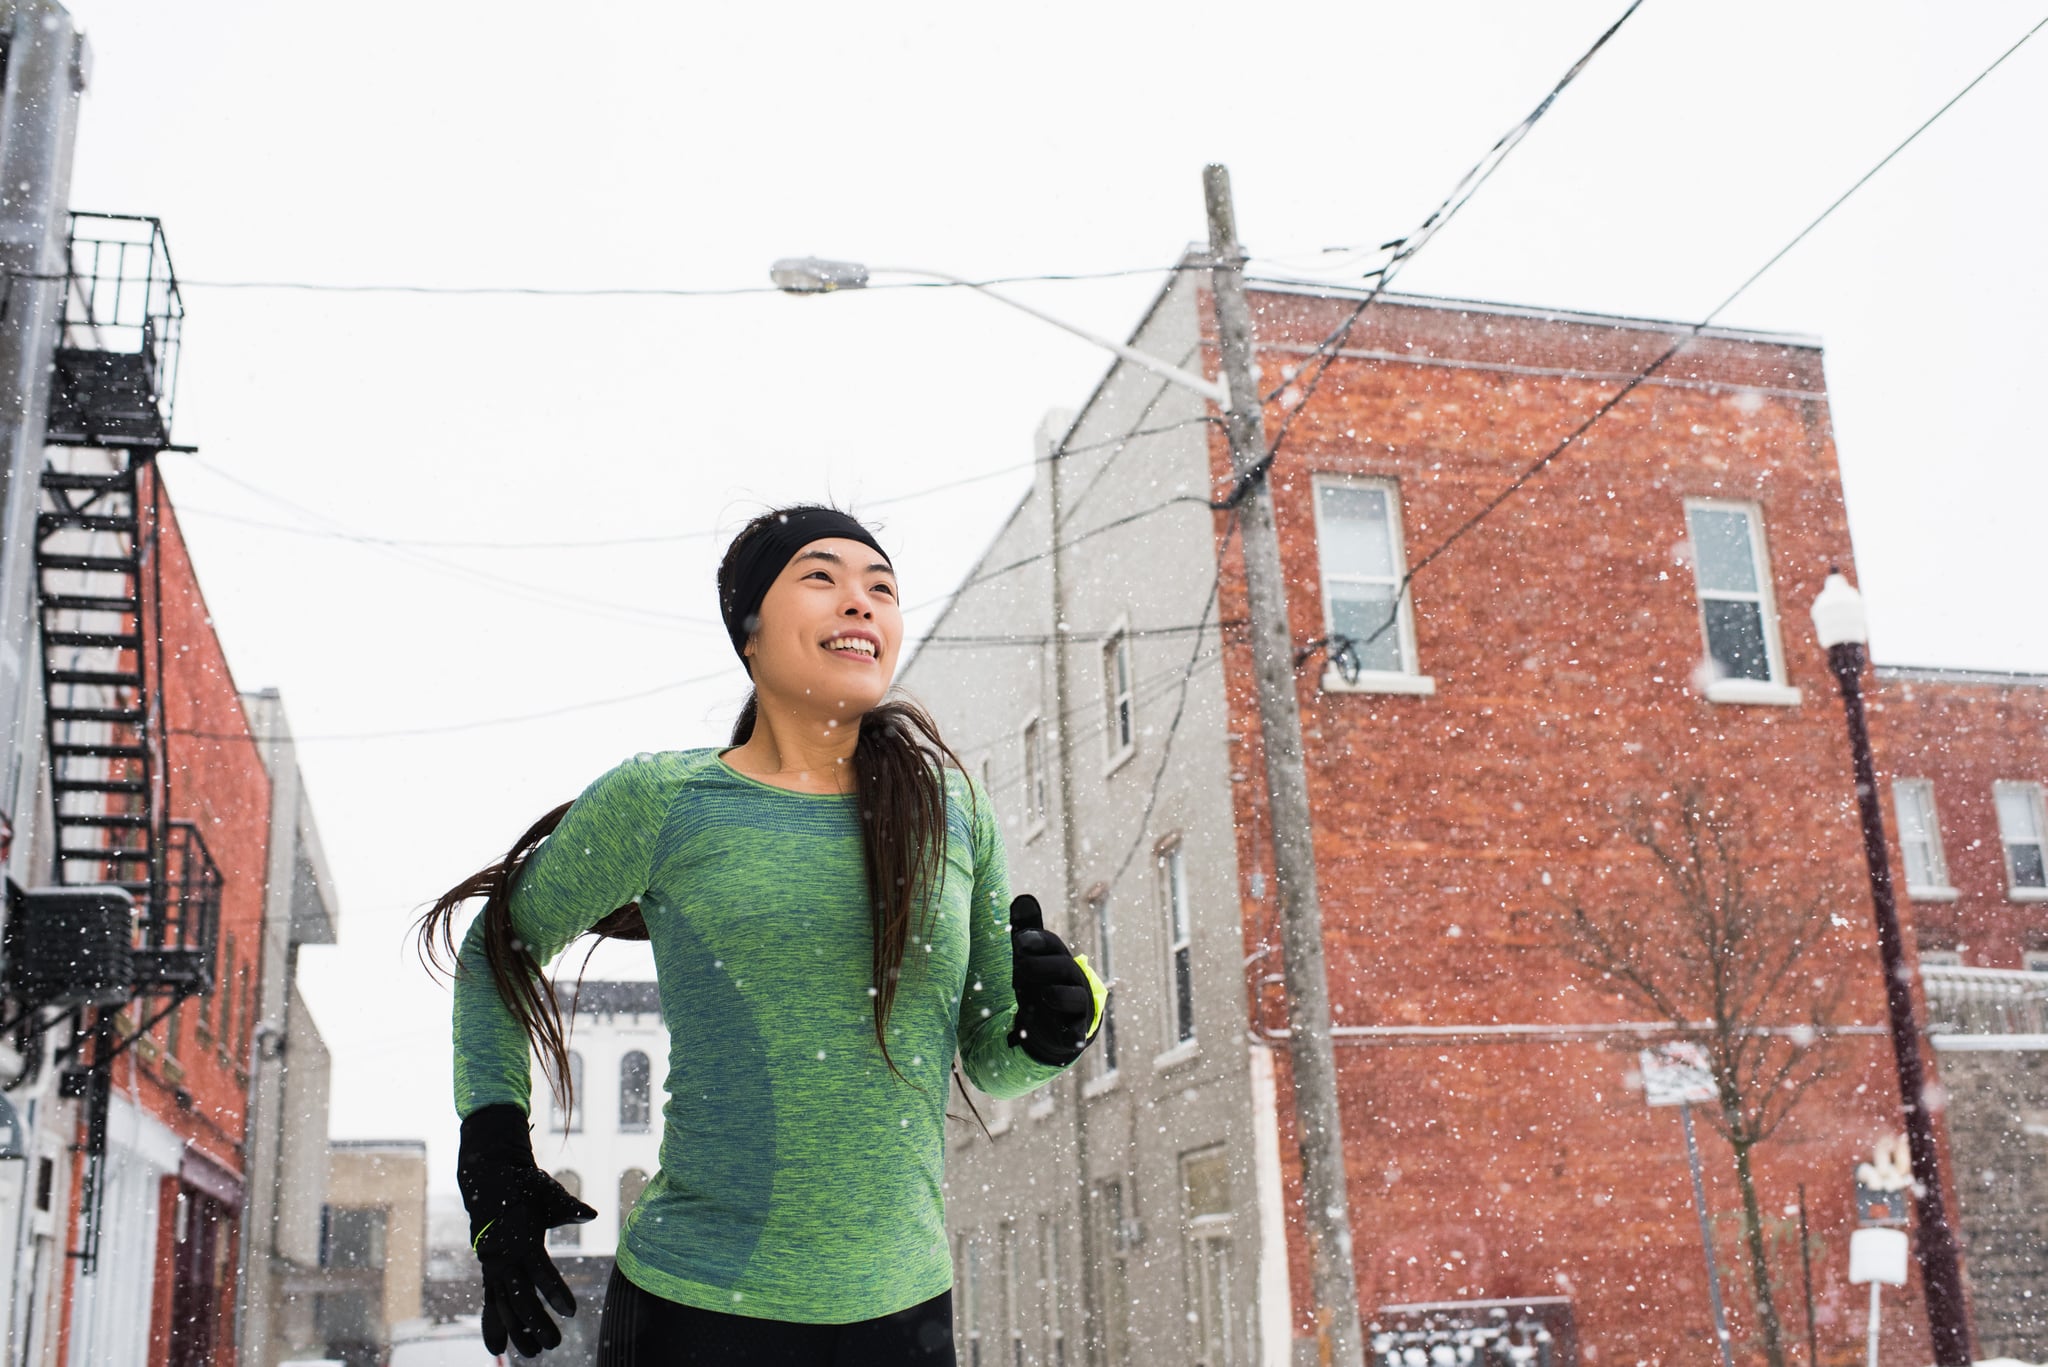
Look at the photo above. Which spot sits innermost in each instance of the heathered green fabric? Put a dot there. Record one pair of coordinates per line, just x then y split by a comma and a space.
800, 1179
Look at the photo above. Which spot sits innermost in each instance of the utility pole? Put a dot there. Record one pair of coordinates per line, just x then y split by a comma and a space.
1318, 1127
1051, 438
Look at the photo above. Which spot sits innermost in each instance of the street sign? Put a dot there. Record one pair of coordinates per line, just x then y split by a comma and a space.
1676, 1073
1878, 1255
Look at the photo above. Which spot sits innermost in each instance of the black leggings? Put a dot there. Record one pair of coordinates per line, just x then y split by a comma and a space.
640, 1329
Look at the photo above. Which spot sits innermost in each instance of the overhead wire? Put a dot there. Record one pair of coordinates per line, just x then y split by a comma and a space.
518, 588
410, 732
661, 538
653, 291
1685, 338
1403, 251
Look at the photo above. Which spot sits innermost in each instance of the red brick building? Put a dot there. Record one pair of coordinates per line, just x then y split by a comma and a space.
178, 1130
1563, 645
1630, 628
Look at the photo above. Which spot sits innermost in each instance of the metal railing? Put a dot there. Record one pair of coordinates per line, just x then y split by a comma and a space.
122, 298
1984, 1001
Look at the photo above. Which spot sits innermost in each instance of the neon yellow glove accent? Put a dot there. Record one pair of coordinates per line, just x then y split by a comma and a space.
480, 1235
1096, 989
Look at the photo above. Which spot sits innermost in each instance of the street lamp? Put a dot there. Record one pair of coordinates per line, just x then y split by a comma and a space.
816, 275
1839, 621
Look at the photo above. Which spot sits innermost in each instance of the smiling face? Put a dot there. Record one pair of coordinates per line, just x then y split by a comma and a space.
830, 630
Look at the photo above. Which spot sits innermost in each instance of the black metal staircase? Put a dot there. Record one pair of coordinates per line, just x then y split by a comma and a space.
100, 612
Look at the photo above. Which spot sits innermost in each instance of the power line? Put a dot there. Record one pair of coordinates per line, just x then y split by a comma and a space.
651, 539
1123, 444
1180, 707
1515, 485
647, 291
597, 543
442, 730
1047, 638
1404, 250
535, 593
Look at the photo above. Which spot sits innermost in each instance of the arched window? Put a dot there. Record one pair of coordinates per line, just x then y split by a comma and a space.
634, 1079
632, 1182
568, 1236
572, 1123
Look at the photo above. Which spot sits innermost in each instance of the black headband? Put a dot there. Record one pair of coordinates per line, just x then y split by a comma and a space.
755, 560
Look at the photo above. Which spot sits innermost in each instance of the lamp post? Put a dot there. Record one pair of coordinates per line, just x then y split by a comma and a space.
816, 275
1839, 621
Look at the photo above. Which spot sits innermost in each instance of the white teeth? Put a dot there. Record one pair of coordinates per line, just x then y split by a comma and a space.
854, 644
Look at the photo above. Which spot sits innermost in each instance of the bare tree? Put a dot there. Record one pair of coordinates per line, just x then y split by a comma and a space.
1724, 956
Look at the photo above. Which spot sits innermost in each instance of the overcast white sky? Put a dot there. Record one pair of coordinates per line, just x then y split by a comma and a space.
668, 145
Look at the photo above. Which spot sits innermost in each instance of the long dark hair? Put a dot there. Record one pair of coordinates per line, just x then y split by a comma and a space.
899, 764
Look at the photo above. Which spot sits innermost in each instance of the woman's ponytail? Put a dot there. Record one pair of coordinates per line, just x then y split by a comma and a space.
515, 971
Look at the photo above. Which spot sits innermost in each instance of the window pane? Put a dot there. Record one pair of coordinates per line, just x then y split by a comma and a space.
1910, 800
1206, 1180
1357, 538
2018, 821
1735, 638
1357, 611
2026, 865
1183, 995
1105, 968
632, 1182
568, 1236
1723, 551
634, 1089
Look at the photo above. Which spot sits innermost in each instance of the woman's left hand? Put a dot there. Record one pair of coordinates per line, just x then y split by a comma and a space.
1055, 1000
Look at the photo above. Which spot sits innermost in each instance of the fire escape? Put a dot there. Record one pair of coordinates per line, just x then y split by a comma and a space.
128, 932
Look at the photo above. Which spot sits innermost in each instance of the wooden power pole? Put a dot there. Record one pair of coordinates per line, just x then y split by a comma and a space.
1318, 1127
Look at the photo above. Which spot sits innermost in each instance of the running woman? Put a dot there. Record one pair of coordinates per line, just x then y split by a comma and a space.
831, 922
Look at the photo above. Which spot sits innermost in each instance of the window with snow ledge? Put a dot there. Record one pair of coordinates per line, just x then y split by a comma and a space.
1358, 547
1920, 841
1105, 968
1179, 965
1035, 806
1738, 617
2020, 828
1119, 699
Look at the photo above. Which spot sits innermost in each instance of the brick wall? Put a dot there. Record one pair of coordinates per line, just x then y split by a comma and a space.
1963, 732
1563, 639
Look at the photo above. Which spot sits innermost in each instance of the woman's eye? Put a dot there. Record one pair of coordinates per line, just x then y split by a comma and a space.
889, 589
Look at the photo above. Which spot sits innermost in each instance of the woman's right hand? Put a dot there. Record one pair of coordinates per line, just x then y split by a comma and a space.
512, 1205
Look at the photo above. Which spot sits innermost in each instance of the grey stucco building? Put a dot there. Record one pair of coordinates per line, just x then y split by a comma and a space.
1130, 1211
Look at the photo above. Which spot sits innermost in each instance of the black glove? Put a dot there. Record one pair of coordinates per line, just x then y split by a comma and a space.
1054, 1005
512, 1206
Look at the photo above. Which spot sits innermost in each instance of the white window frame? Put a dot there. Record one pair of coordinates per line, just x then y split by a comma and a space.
1031, 737
970, 1302
1013, 1295
646, 1125
1201, 1233
1920, 793
1118, 698
1409, 678
1106, 1061
1055, 1314
1940, 958
1177, 924
1770, 692
2032, 792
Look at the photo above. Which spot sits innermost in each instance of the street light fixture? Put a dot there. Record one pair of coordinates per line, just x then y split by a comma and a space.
1839, 621
817, 275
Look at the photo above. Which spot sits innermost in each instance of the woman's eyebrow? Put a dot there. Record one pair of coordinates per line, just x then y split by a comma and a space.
834, 556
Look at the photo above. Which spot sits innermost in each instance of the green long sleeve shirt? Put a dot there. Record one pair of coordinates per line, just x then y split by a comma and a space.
800, 1178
